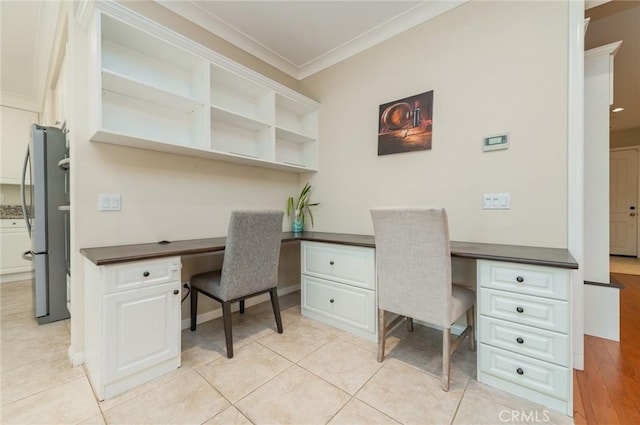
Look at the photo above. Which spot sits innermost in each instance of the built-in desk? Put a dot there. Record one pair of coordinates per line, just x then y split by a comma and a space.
523, 323
552, 257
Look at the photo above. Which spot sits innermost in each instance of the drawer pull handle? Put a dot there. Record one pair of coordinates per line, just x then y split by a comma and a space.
519, 340
145, 274
520, 279
331, 262
176, 292
331, 300
520, 309
519, 371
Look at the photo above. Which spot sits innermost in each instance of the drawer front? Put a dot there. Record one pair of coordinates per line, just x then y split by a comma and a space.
353, 306
524, 309
547, 282
139, 274
539, 343
349, 264
543, 377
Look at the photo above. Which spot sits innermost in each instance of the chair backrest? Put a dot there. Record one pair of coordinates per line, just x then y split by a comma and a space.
252, 253
413, 262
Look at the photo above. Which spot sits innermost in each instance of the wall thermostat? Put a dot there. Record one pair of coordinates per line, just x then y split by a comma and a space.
496, 142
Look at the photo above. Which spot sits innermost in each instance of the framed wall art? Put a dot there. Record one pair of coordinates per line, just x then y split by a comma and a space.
405, 125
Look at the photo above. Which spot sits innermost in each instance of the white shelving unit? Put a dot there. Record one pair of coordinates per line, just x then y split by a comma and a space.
161, 91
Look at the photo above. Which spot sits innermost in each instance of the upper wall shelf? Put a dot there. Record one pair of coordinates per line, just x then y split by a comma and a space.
155, 89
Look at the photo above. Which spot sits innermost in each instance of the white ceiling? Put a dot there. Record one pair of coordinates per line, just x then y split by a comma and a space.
301, 38
27, 29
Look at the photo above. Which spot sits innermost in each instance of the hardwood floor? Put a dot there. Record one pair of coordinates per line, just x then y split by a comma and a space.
607, 391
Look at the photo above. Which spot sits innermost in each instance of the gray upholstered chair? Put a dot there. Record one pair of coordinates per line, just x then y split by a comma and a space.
250, 267
413, 265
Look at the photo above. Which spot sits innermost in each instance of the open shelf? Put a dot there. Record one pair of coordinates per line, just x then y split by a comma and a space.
154, 89
236, 120
235, 93
295, 117
144, 120
292, 137
145, 58
127, 86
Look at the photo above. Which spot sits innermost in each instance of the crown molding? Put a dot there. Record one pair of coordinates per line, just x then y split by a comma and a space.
607, 50
417, 15
413, 17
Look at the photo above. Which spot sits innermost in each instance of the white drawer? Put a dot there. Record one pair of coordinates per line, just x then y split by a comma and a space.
354, 307
539, 343
138, 274
543, 377
349, 264
533, 311
541, 281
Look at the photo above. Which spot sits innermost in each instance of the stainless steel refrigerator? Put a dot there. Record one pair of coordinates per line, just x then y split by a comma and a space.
41, 202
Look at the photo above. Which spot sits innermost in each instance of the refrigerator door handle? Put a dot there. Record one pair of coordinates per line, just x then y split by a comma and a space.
23, 194
27, 256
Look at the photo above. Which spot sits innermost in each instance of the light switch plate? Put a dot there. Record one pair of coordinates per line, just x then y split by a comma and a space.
496, 201
108, 202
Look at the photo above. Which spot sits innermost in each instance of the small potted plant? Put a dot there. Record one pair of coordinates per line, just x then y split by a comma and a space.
300, 208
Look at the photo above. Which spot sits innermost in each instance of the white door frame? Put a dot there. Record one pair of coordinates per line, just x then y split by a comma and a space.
575, 172
637, 149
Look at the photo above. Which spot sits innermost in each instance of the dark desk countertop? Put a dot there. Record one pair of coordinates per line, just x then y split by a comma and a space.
554, 257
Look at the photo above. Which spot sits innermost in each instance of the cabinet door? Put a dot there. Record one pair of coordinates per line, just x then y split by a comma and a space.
16, 131
142, 329
13, 243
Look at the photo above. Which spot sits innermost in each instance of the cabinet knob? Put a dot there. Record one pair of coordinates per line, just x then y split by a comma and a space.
176, 292
520, 309
145, 274
331, 300
519, 340
331, 262
519, 371
520, 279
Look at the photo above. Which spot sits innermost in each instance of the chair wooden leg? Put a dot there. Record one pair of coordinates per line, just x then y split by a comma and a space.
409, 324
382, 333
226, 317
471, 322
241, 306
276, 308
446, 358
194, 308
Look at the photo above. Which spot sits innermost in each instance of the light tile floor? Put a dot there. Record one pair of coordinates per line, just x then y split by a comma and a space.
311, 374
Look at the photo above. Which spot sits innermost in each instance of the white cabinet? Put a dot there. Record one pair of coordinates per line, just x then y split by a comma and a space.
155, 89
132, 326
339, 286
15, 133
523, 328
14, 241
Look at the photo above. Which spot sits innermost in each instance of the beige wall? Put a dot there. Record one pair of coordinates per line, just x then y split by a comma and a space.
624, 138
494, 67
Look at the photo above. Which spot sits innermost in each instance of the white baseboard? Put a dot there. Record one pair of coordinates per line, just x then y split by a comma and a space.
214, 314
76, 359
14, 277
